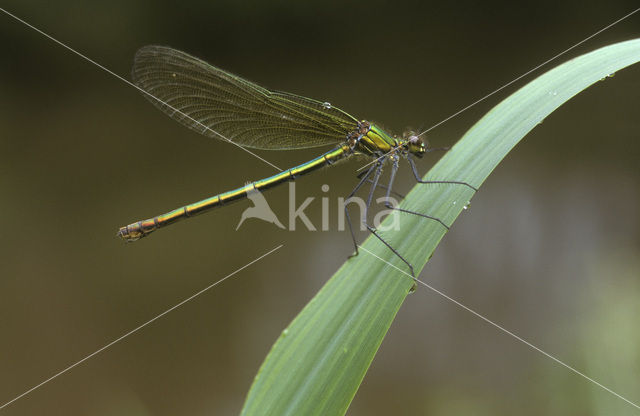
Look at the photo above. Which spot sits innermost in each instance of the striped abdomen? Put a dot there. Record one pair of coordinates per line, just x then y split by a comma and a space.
137, 230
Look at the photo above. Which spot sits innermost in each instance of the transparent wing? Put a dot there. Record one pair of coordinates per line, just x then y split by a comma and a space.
210, 100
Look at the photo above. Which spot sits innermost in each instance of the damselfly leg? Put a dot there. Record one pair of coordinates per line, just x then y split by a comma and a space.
363, 178
376, 171
414, 169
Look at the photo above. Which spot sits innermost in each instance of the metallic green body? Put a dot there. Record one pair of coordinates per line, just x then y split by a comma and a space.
140, 229
370, 140
218, 104
376, 142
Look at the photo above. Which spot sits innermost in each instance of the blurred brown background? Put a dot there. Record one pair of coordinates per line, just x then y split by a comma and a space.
549, 248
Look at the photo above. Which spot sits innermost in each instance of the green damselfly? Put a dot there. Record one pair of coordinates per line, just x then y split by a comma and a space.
218, 104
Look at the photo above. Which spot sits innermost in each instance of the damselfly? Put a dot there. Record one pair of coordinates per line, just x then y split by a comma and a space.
218, 104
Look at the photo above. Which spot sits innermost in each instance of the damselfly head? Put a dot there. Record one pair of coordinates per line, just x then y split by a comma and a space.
415, 145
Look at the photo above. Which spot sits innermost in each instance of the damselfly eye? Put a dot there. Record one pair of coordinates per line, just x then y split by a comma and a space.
416, 145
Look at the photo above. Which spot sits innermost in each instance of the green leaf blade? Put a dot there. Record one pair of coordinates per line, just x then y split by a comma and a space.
317, 367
